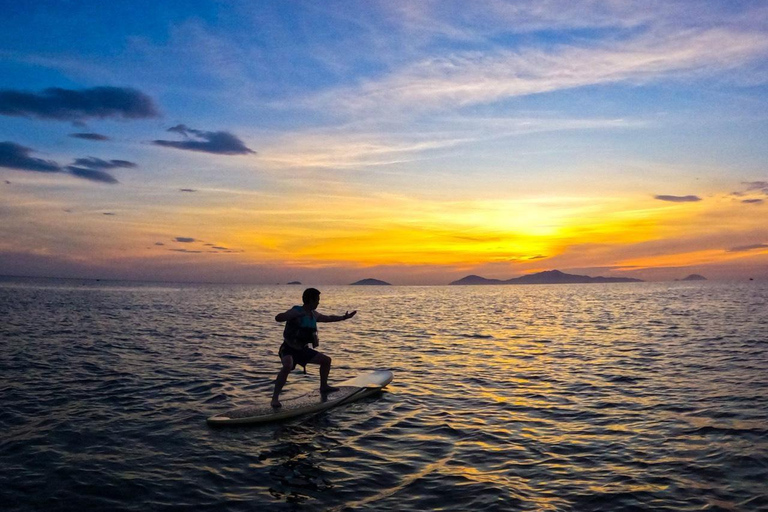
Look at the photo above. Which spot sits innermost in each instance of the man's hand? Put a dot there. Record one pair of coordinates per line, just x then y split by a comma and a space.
349, 315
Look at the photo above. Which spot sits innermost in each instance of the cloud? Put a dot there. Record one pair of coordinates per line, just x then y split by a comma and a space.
185, 240
219, 143
77, 105
92, 174
93, 169
762, 186
187, 190
753, 201
471, 78
744, 248
98, 163
89, 136
16, 156
678, 199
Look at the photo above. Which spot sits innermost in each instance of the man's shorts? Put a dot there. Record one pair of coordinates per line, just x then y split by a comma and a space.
300, 356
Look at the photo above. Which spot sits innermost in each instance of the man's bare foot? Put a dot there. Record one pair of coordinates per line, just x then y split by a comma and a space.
276, 403
328, 389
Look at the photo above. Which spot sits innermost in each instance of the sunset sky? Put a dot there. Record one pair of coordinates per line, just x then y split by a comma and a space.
411, 141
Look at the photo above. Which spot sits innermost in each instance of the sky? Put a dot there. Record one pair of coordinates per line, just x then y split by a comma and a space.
411, 141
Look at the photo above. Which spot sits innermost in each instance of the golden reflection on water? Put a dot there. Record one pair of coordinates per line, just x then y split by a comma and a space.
581, 398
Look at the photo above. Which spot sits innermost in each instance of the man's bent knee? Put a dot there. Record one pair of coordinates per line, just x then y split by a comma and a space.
287, 364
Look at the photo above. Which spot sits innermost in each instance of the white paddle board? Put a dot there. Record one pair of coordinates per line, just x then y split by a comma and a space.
349, 391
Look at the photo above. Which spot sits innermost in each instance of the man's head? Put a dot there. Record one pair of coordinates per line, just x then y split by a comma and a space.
311, 295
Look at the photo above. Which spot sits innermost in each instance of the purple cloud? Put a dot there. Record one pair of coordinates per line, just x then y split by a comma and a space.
678, 199
92, 174
16, 156
89, 136
219, 143
744, 248
97, 163
76, 105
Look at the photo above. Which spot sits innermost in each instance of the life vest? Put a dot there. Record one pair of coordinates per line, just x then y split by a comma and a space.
301, 330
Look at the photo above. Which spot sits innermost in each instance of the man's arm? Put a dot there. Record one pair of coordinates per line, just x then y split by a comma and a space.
334, 318
288, 315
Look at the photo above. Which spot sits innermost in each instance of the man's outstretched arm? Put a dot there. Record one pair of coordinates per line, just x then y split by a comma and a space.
335, 318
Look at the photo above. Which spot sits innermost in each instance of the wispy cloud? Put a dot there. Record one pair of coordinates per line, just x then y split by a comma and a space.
92, 174
471, 78
678, 199
761, 186
77, 105
98, 163
219, 143
94, 169
90, 136
361, 145
745, 248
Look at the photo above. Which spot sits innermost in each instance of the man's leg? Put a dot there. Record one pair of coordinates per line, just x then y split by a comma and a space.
325, 368
281, 378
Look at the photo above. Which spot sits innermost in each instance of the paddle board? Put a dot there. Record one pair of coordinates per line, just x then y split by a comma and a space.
349, 391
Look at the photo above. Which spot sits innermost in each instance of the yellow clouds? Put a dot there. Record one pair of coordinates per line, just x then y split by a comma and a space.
628, 232
400, 230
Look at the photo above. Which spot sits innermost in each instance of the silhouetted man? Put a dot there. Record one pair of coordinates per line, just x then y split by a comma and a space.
301, 331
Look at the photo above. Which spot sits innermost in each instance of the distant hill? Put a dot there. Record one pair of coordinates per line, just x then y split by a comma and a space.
695, 277
371, 282
473, 279
547, 277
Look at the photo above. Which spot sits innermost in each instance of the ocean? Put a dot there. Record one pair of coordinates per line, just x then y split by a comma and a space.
591, 397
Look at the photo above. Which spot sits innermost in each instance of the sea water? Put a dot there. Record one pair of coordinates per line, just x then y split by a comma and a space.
616, 397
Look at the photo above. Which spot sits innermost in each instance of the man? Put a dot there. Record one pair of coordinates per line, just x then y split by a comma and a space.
300, 331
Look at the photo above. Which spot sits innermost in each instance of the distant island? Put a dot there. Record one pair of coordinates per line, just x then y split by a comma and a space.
294, 282
695, 277
371, 282
546, 277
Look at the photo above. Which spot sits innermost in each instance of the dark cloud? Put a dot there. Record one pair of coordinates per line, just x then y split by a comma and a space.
678, 199
753, 201
744, 248
98, 163
92, 168
16, 156
76, 105
109, 213
89, 136
185, 240
92, 174
219, 143
185, 250
187, 190
159, 243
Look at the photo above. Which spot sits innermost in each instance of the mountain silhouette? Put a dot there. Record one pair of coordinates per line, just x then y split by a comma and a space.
546, 277
371, 282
